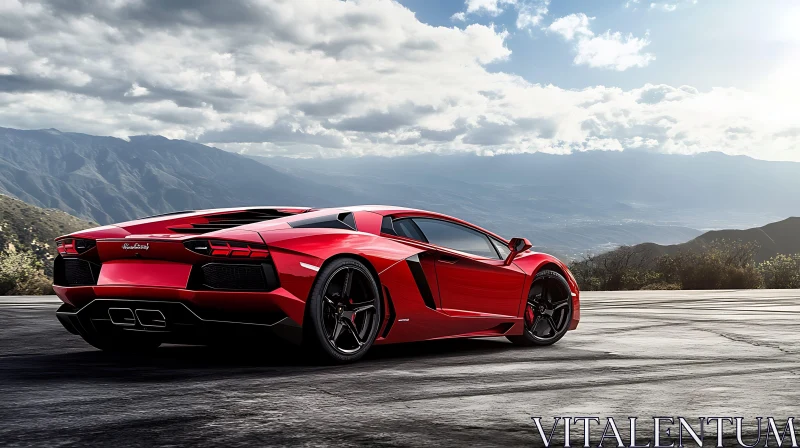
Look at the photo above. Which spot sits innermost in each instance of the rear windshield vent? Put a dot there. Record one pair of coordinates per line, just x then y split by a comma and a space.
228, 220
344, 221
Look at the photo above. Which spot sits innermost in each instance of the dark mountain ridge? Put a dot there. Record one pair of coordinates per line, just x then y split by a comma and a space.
109, 179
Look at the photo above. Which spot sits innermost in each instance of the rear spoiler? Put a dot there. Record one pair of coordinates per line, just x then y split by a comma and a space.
210, 223
189, 222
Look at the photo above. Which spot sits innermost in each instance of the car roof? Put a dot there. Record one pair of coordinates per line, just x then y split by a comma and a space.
385, 210
381, 209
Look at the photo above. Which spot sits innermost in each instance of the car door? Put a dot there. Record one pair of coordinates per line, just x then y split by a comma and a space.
471, 275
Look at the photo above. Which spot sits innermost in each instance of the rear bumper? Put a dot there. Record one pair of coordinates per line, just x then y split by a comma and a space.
171, 322
191, 315
203, 302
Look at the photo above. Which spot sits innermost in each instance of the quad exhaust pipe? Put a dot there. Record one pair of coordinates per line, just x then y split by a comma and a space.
122, 317
151, 318
125, 317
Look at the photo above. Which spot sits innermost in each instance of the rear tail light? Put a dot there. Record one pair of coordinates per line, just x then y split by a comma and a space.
234, 249
74, 246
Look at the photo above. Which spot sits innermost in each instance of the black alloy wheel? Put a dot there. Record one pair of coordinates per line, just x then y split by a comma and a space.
344, 311
548, 310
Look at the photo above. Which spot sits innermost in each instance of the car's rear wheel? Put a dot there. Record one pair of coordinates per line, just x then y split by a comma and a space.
121, 342
548, 310
343, 312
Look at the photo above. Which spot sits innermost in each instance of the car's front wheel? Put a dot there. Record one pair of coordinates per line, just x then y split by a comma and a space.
343, 313
548, 310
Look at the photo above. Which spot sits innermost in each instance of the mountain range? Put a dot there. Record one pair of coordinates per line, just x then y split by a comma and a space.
566, 204
108, 179
586, 201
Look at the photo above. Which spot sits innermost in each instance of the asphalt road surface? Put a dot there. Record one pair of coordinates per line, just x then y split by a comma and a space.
645, 354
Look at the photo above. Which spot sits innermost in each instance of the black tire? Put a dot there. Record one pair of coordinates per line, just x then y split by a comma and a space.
340, 325
550, 306
122, 343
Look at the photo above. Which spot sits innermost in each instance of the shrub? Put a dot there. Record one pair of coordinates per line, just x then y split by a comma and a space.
622, 269
661, 286
720, 264
21, 273
781, 272
639, 278
746, 277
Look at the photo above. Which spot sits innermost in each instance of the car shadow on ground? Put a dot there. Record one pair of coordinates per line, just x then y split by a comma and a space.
179, 362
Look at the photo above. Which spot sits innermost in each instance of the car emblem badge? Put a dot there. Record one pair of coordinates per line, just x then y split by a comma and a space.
136, 246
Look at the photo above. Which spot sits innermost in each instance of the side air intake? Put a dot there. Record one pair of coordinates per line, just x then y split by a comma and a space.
422, 282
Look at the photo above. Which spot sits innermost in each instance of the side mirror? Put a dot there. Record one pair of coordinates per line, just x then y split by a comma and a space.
517, 245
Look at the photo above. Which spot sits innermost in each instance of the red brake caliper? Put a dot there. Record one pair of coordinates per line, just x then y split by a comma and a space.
529, 315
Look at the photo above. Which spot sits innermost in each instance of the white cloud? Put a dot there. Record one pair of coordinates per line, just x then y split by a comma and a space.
137, 90
491, 7
530, 14
572, 25
613, 51
325, 77
639, 142
670, 6
608, 50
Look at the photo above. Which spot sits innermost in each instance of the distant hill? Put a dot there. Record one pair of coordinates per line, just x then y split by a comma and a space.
782, 237
107, 179
720, 259
26, 227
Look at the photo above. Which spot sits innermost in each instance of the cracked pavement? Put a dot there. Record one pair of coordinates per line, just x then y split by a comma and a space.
644, 354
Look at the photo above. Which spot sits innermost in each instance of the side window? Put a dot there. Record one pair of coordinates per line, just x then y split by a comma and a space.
455, 236
406, 228
387, 227
502, 249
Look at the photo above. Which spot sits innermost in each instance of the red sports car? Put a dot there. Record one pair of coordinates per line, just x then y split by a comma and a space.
336, 280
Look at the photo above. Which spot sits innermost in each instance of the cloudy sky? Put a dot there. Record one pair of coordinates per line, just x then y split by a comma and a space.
332, 78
